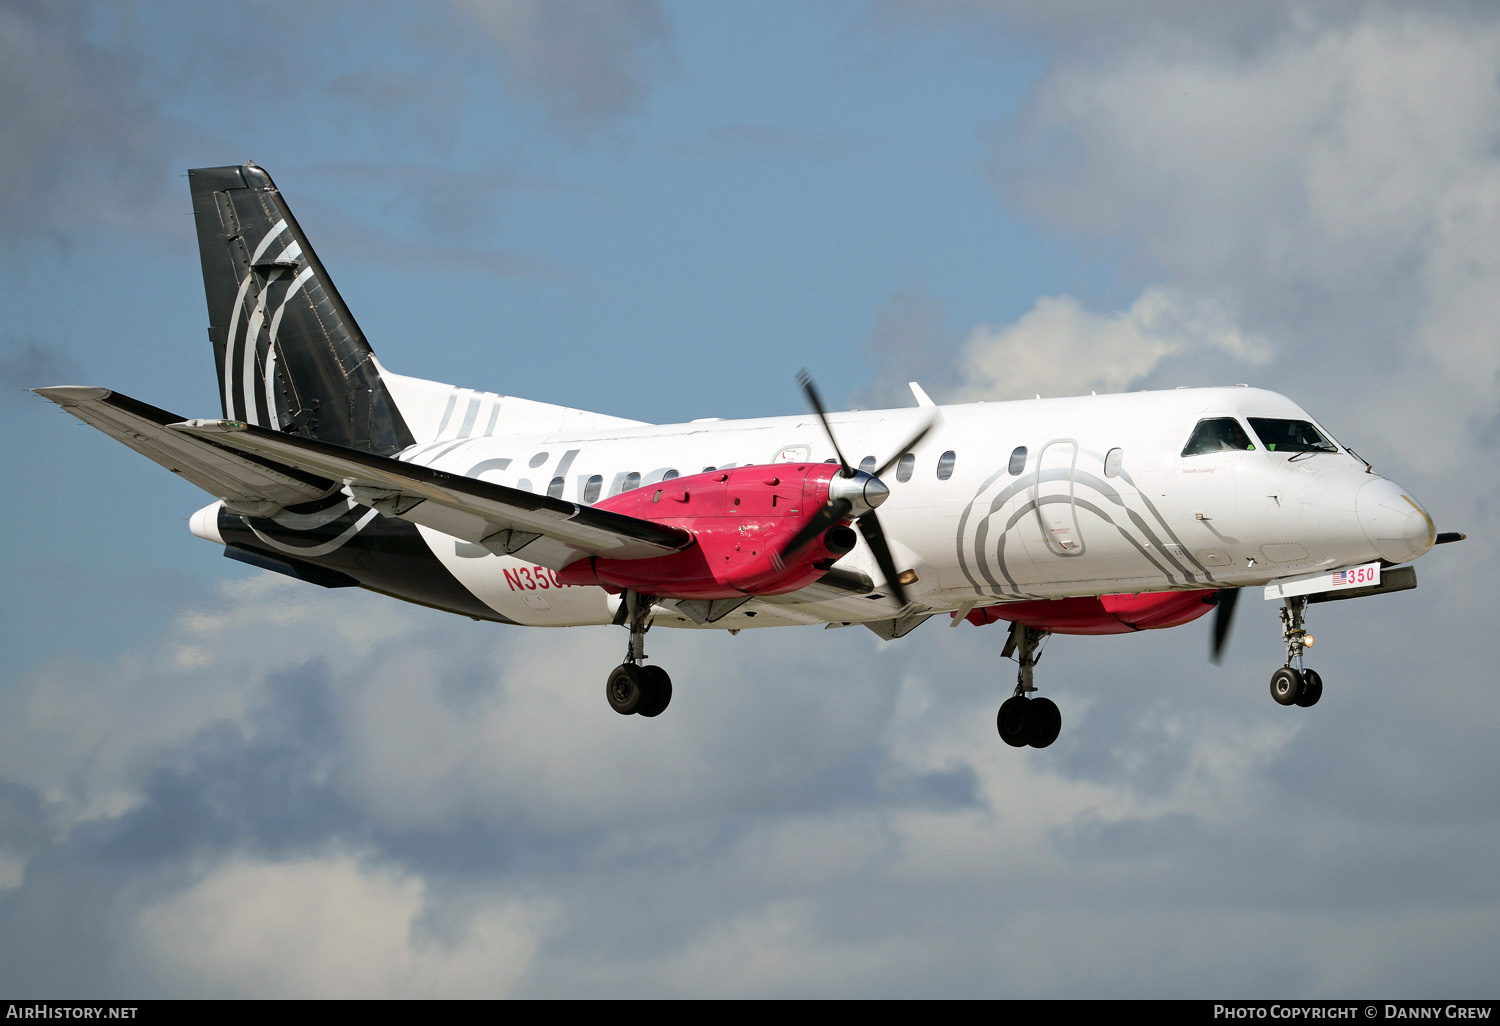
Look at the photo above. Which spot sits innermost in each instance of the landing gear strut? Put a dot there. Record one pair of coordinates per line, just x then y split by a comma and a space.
1294, 685
633, 687
1023, 720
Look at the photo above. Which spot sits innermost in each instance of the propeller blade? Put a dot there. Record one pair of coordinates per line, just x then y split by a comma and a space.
1223, 621
805, 380
869, 526
911, 443
838, 509
822, 520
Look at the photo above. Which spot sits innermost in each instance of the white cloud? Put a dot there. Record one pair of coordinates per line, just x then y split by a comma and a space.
76, 733
1327, 155
326, 927
1059, 348
1339, 177
386, 801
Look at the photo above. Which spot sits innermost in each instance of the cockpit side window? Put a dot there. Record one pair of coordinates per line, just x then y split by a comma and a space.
1291, 435
1217, 434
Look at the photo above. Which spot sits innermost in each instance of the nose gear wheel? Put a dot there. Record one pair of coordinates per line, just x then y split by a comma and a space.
1296, 685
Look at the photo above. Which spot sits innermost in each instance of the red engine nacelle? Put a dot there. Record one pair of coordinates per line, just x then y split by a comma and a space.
1107, 614
740, 520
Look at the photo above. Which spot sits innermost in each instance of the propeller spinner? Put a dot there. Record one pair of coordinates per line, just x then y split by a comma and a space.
854, 495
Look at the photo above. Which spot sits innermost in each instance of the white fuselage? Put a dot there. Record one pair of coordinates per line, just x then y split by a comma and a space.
1102, 501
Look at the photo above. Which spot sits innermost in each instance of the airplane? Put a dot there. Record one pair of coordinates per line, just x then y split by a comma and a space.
1089, 515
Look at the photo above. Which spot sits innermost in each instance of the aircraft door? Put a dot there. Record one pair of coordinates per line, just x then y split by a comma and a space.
1054, 494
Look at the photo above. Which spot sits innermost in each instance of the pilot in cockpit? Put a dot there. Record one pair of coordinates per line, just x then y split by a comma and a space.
1217, 434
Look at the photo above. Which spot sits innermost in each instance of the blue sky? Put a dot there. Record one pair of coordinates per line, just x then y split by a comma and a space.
216, 782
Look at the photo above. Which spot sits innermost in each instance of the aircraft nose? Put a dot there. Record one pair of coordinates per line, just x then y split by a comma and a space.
1394, 522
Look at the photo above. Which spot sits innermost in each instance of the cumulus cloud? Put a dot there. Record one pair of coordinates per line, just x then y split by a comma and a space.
324, 927
1339, 178
1059, 348
298, 792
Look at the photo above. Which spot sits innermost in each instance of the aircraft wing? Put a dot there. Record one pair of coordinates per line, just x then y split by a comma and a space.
244, 481
255, 471
552, 532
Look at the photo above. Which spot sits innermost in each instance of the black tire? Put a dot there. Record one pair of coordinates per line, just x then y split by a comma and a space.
1286, 685
656, 687
623, 689
1046, 722
1312, 688
1014, 721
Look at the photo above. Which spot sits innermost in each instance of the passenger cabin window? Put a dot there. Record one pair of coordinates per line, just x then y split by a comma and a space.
591, 489
945, 465
1112, 461
632, 480
1017, 460
669, 475
904, 467
554, 489
1291, 435
867, 464
1217, 434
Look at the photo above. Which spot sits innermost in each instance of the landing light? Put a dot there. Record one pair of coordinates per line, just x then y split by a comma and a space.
1307, 641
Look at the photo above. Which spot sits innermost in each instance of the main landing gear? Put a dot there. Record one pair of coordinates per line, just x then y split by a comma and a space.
1023, 720
632, 686
1295, 685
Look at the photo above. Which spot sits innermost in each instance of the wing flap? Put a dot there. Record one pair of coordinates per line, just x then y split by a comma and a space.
552, 532
236, 477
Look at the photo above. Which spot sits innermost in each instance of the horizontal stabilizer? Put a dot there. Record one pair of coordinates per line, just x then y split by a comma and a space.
240, 479
553, 532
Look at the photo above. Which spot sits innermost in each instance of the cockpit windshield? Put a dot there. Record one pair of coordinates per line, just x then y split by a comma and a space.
1291, 435
1217, 434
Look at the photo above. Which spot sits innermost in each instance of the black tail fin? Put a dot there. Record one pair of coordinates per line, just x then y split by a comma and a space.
290, 355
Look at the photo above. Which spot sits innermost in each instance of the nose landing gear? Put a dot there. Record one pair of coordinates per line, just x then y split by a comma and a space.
1023, 720
1294, 685
633, 687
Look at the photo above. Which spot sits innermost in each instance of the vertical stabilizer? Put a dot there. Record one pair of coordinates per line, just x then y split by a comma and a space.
290, 355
